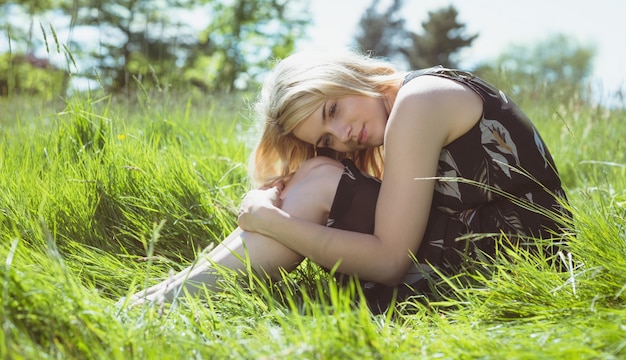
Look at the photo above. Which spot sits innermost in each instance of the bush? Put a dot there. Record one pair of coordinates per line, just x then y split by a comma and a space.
30, 75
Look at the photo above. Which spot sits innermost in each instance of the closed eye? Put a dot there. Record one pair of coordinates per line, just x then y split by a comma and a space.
326, 141
332, 110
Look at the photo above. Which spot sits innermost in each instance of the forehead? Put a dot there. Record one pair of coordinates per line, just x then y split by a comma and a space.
310, 129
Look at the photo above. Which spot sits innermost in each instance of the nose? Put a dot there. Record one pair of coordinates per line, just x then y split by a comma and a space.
340, 131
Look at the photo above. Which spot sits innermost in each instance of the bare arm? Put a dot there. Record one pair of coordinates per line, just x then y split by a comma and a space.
429, 113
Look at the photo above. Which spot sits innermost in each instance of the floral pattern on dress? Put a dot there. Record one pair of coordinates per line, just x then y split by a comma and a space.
497, 142
498, 178
447, 169
540, 147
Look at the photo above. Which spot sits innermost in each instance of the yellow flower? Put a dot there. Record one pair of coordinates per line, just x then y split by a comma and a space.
121, 136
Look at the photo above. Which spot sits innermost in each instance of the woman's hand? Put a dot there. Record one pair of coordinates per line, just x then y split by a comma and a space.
256, 206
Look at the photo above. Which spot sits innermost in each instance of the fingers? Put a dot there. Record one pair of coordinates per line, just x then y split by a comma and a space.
259, 198
255, 204
275, 198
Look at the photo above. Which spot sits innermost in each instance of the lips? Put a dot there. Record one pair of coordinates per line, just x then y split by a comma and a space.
362, 136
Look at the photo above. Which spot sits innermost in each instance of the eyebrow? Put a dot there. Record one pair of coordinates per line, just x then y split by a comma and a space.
317, 143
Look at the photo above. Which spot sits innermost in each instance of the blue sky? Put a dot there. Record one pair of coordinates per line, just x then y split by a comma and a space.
499, 23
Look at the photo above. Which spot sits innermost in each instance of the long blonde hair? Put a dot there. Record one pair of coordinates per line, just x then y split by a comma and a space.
295, 88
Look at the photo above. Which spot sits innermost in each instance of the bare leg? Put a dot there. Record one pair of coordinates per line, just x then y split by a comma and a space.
309, 195
265, 256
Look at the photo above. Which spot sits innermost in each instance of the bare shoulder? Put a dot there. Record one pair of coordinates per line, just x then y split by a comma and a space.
432, 85
454, 107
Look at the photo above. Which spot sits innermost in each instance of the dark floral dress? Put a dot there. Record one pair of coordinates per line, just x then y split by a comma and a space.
497, 181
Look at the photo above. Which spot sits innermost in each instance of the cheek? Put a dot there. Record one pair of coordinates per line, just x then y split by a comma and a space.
303, 133
380, 127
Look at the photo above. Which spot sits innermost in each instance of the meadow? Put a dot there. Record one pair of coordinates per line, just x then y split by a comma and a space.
102, 195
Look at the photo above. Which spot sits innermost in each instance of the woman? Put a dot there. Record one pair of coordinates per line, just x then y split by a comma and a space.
463, 166
499, 176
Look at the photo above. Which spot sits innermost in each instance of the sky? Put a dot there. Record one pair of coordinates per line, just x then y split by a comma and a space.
499, 23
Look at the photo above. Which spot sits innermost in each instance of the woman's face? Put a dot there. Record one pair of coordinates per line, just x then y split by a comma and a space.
345, 124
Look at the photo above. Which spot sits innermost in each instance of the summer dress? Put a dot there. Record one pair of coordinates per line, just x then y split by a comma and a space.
496, 179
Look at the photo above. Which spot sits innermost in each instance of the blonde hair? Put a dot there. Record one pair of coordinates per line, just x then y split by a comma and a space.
295, 88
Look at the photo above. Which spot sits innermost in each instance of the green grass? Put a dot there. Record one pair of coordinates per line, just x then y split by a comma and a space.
103, 195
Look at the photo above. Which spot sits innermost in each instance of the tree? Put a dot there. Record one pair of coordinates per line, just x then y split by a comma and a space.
133, 38
138, 41
443, 37
557, 62
558, 58
242, 35
380, 32
149, 42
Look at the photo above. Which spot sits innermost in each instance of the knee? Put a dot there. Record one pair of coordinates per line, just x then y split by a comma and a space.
317, 162
314, 185
316, 168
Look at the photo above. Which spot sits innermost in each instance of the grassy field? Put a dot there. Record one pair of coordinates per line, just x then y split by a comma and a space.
101, 196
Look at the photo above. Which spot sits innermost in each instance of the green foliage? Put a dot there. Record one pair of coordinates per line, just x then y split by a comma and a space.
141, 41
156, 44
241, 39
35, 6
556, 66
28, 75
558, 59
